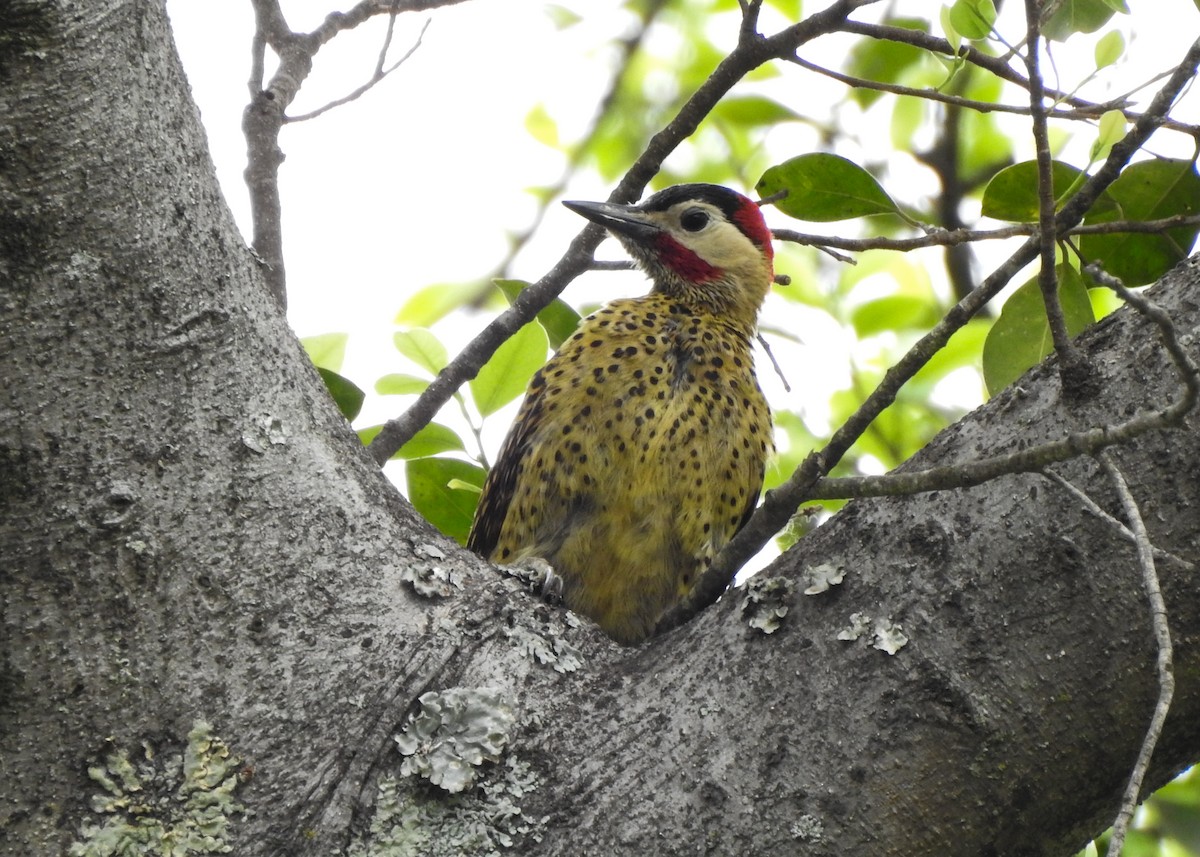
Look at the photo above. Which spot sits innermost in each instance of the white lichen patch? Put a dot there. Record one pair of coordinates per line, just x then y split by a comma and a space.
428, 550
860, 623
454, 732
483, 821
170, 806
555, 652
431, 581
264, 431
822, 578
766, 602
888, 637
807, 828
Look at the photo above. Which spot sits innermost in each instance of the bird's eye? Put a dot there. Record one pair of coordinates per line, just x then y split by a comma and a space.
694, 220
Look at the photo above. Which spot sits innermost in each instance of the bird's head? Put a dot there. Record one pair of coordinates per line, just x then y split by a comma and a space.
702, 243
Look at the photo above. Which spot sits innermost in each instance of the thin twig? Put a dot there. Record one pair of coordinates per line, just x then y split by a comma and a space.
258, 61
950, 237
930, 94
340, 22
787, 388
378, 75
1093, 508
1162, 637
1069, 357
1183, 361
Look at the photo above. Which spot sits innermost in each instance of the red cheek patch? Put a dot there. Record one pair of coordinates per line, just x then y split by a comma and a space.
749, 219
683, 261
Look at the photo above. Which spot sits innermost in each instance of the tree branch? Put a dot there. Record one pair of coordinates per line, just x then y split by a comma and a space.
378, 75
265, 114
1162, 637
1093, 508
949, 237
261, 120
1071, 363
930, 94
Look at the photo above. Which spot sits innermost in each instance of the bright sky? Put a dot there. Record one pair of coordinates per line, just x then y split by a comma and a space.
419, 180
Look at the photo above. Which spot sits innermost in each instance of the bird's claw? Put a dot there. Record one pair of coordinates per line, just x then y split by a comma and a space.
552, 586
539, 576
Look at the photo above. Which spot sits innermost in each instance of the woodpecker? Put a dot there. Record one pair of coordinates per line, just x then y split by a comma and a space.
640, 447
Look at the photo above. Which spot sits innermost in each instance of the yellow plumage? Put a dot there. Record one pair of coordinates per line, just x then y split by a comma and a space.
637, 454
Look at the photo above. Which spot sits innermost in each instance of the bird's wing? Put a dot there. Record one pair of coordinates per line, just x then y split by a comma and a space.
751, 504
501, 482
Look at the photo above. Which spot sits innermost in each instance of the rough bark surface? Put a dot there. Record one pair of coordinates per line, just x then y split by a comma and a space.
190, 533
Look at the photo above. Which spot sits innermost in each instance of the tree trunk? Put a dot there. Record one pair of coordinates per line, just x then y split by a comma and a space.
217, 612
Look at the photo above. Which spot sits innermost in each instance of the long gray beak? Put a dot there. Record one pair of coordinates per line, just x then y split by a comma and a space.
624, 220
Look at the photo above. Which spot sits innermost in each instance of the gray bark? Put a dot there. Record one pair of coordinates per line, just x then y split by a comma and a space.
190, 533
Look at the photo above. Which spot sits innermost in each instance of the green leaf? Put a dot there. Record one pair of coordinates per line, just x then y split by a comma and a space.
754, 111
557, 318
432, 303
506, 375
883, 60
963, 349
1078, 16
423, 348
791, 8
542, 127
1021, 336
1111, 129
953, 36
823, 187
561, 16
973, 18
431, 439
1012, 194
1109, 48
1147, 190
366, 435
399, 384
894, 312
449, 509
1104, 302
346, 394
326, 350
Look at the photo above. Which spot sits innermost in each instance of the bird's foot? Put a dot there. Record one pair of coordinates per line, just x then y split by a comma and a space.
539, 576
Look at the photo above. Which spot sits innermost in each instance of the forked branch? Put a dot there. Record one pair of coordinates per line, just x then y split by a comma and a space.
266, 112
